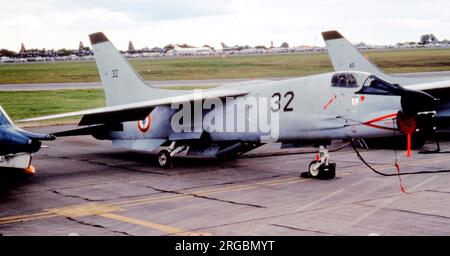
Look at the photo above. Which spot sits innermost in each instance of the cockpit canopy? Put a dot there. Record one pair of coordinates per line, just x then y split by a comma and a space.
364, 83
374, 85
344, 80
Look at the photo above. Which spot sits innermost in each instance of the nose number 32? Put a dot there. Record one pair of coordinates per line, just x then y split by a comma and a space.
277, 101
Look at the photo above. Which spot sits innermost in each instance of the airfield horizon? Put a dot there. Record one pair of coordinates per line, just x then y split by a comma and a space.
26, 104
230, 67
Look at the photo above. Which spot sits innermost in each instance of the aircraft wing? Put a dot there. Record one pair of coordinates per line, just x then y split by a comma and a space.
136, 111
433, 86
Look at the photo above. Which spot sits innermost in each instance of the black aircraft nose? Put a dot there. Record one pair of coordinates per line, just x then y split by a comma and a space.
414, 102
34, 146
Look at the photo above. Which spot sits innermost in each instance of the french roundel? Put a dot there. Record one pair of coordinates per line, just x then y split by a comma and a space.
144, 125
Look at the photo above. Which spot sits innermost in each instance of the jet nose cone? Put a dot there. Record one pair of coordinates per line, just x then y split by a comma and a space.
414, 102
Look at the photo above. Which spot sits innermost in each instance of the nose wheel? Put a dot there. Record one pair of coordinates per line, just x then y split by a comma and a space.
323, 172
321, 169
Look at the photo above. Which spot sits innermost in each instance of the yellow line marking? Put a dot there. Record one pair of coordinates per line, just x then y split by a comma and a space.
125, 203
24, 216
82, 210
95, 209
205, 192
100, 209
27, 219
220, 190
163, 228
201, 192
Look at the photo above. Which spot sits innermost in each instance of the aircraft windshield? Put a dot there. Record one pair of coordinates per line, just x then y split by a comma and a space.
374, 85
344, 80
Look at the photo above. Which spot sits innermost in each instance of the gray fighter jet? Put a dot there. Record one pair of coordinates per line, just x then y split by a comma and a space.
17, 145
235, 118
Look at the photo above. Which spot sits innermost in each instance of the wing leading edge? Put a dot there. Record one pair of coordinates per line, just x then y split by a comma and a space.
135, 111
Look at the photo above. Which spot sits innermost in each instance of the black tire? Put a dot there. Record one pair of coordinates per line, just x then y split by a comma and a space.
327, 172
324, 172
165, 159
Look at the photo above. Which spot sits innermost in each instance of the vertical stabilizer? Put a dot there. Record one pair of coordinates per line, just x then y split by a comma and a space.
4, 118
121, 83
345, 56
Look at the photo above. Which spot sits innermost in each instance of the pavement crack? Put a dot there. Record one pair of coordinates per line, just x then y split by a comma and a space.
327, 207
97, 226
303, 230
79, 197
361, 202
206, 197
416, 213
227, 201
436, 191
120, 167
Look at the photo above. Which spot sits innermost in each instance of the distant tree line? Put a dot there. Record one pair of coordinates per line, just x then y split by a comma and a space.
7, 53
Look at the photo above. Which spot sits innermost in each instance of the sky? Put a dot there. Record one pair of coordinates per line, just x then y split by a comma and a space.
63, 23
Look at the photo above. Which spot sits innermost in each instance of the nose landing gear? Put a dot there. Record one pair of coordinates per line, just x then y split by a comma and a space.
321, 168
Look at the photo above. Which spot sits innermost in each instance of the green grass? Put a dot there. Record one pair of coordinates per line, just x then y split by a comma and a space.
27, 104
48, 73
410, 61
216, 67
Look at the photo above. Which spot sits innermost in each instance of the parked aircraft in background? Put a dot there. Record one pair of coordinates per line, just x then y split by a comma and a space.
192, 51
226, 48
283, 48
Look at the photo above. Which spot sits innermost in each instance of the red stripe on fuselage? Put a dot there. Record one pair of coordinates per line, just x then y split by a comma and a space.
329, 102
376, 120
381, 118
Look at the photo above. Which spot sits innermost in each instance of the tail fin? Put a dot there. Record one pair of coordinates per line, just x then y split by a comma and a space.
121, 83
4, 118
224, 46
345, 57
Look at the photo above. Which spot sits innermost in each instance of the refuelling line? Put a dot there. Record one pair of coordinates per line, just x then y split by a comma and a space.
297, 152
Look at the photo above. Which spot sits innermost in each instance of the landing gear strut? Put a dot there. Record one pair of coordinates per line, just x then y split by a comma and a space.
165, 156
321, 169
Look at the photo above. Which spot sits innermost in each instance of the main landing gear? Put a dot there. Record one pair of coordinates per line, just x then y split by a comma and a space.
165, 156
321, 168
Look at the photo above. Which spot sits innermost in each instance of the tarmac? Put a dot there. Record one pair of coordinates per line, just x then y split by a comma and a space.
88, 187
